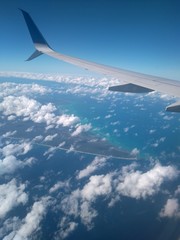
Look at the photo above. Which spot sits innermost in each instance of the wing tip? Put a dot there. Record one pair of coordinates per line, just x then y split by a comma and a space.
36, 35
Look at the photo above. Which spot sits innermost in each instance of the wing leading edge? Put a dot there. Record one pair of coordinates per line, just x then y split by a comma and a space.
136, 82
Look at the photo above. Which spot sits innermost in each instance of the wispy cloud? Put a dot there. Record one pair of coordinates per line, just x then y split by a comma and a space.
30, 224
11, 195
97, 163
59, 185
81, 128
50, 137
66, 228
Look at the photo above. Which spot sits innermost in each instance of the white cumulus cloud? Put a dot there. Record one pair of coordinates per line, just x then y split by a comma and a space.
31, 109
98, 185
138, 185
128, 182
67, 120
8, 88
171, 209
9, 161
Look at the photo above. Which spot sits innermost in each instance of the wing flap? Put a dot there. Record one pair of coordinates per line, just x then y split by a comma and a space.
130, 88
175, 107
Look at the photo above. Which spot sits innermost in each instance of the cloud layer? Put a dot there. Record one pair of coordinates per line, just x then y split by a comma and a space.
75, 196
31, 109
128, 182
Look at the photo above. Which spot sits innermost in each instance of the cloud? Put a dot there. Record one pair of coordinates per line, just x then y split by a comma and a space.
66, 228
31, 109
158, 141
97, 163
19, 106
59, 185
30, 224
18, 149
38, 138
78, 203
177, 192
98, 185
108, 116
97, 87
9, 134
171, 209
168, 118
136, 184
50, 137
126, 129
8, 159
81, 128
70, 203
67, 120
11, 195
9, 225
8, 88
135, 152
81, 203
151, 131
9, 164
87, 214
75, 206
128, 182
82, 85
50, 152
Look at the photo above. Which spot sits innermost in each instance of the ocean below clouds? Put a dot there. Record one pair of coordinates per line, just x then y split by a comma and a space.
78, 161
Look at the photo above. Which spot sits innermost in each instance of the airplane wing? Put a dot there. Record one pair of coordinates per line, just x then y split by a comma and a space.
135, 82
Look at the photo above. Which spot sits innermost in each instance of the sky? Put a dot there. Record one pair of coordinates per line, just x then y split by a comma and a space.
139, 35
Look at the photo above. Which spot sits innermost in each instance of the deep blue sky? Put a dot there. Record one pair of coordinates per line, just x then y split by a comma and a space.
138, 35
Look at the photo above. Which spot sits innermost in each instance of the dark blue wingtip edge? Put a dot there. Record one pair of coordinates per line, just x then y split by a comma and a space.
36, 35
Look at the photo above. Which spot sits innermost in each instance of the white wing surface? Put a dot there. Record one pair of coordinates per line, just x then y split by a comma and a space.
136, 82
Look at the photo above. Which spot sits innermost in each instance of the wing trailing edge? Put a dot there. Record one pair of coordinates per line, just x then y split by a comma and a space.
175, 107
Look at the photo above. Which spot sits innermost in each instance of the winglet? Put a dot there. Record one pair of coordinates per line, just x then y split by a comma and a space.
34, 55
36, 35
